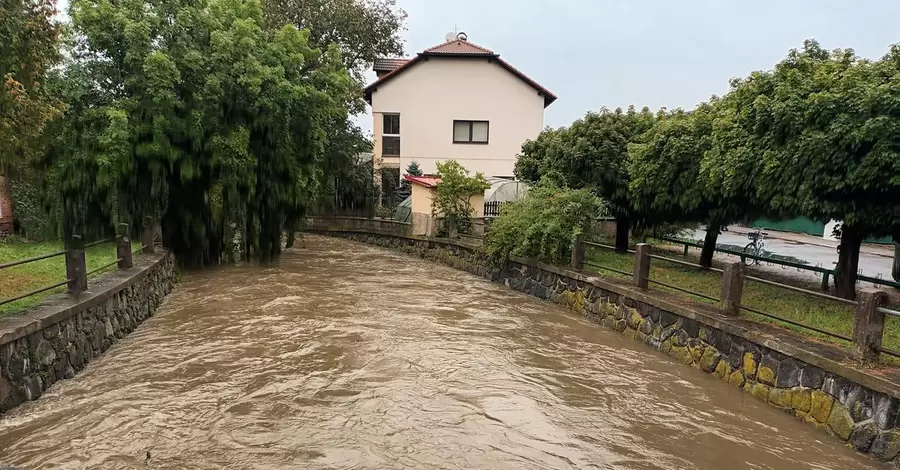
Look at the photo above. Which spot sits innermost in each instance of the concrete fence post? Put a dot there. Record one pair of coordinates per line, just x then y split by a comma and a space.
147, 238
578, 251
732, 288
123, 247
642, 265
868, 329
76, 270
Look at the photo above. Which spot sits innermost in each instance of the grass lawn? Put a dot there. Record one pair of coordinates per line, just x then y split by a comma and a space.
27, 277
822, 313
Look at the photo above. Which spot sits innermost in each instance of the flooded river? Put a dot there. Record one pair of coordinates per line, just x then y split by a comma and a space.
346, 356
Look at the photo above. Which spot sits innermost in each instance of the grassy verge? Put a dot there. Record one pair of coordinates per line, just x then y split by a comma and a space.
821, 313
27, 277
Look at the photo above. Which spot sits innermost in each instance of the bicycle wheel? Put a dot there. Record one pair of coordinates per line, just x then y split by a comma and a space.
750, 249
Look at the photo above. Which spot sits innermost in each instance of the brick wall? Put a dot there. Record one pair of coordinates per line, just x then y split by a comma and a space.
6, 210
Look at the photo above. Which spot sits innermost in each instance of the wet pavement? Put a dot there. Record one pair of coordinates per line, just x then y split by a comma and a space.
870, 264
346, 356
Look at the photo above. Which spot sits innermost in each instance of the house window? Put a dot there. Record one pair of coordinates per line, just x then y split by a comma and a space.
390, 135
470, 132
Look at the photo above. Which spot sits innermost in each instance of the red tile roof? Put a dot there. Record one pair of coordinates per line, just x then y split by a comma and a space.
389, 64
427, 181
458, 48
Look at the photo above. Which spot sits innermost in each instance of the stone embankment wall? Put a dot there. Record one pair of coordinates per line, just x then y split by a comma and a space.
57, 339
810, 381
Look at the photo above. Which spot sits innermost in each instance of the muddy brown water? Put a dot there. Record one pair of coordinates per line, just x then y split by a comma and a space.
346, 356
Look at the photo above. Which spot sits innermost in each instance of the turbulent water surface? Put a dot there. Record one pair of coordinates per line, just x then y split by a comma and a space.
348, 356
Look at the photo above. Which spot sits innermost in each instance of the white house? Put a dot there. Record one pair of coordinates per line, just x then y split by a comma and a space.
456, 100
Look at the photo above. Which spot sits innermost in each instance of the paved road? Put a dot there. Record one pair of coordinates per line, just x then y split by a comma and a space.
872, 261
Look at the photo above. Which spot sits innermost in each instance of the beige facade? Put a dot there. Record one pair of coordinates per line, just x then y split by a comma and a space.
432, 92
421, 208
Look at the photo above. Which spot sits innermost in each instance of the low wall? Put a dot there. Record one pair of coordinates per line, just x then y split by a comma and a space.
816, 383
55, 340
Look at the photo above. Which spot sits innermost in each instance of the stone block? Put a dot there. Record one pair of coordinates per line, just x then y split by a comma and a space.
838, 387
802, 400
697, 348
666, 346
682, 354
788, 374
862, 435
886, 445
667, 319
723, 370
633, 318
691, 327
782, 398
749, 365
820, 405
886, 411
709, 361
760, 391
811, 377
860, 403
666, 333
839, 421
736, 378
767, 368
646, 326
620, 326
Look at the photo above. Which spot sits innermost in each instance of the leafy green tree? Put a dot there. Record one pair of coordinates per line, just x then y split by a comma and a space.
452, 196
542, 225
29, 40
592, 153
363, 29
827, 122
199, 114
670, 183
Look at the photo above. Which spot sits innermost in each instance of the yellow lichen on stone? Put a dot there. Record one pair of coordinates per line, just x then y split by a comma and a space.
761, 391
682, 354
723, 370
782, 397
802, 400
840, 422
578, 300
631, 333
820, 405
736, 378
749, 366
708, 360
765, 375
666, 346
697, 349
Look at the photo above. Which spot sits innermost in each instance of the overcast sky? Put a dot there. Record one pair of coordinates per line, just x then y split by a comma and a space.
594, 53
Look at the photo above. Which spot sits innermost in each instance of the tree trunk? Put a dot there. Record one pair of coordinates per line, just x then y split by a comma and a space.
709, 246
622, 226
848, 263
895, 269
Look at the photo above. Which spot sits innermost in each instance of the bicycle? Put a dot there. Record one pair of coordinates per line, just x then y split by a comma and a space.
755, 247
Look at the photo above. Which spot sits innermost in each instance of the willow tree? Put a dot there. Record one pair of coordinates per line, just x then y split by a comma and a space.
827, 124
591, 153
198, 114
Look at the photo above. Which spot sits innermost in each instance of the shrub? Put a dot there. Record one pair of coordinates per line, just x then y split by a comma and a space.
543, 225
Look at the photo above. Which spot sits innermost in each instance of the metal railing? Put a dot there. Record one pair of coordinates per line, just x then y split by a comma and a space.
869, 310
76, 272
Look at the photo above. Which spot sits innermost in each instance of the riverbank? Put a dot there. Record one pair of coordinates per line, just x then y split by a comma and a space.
57, 338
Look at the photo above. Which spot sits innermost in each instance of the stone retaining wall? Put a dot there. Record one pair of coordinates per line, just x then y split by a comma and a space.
815, 383
55, 340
